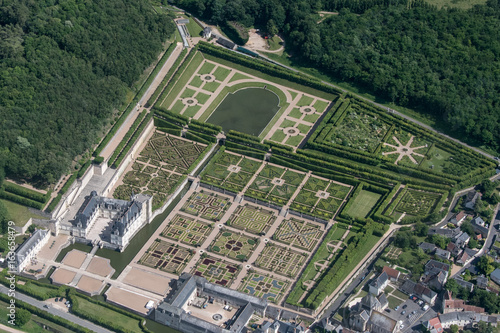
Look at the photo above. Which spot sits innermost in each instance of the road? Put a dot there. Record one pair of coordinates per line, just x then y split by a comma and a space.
67, 316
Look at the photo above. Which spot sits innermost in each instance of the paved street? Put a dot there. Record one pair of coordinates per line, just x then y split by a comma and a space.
67, 316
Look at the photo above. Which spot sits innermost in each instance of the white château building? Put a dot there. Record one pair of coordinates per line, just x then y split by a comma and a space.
127, 217
29, 249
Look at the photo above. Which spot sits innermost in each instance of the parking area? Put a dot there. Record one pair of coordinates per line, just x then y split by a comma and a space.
407, 313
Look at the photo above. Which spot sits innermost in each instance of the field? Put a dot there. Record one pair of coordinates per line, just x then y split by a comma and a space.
252, 219
363, 204
233, 245
280, 260
266, 287
207, 206
166, 256
216, 270
187, 230
302, 234
159, 168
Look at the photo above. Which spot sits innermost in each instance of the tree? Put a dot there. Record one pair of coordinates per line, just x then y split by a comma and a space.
454, 328
421, 229
271, 28
22, 317
468, 228
485, 265
4, 218
473, 243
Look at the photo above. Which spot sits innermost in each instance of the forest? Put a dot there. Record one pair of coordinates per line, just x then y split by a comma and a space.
444, 62
65, 66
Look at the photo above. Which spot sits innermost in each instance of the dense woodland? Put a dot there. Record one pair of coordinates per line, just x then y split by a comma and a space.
443, 62
64, 66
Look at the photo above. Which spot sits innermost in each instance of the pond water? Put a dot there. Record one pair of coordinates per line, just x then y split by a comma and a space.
247, 110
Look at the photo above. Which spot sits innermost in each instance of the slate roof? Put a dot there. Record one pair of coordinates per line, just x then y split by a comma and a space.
24, 249
242, 319
417, 289
482, 282
427, 247
443, 253
380, 280
461, 282
495, 275
436, 264
183, 292
382, 322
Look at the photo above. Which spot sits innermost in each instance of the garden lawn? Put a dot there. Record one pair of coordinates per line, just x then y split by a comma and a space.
363, 203
399, 294
18, 213
106, 314
393, 302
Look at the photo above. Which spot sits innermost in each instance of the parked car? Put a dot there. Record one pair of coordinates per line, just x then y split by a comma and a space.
404, 306
401, 326
396, 308
413, 312
403, 312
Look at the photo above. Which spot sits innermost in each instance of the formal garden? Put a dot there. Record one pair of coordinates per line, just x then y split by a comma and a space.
415, 202
229, 171
281, 260
250, 218
299, 233
161, 165
166, 256
216, 270
320, 197
233, 245
264, 286
187, 230
207, 206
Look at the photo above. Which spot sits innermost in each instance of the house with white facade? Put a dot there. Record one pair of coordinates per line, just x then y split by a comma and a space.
29, 249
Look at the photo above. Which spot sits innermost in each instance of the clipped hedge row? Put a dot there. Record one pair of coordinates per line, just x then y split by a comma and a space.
266, 67
127, 137
179, 71
98, 160
248, 137
252, 153
52, 205
198, 159
83, 169
161, 123
203, 124
20, 200
275, 145
132, 140
35, 292
171, 116
336, 150
195, 137
68, 183
25, 192
173, 131
166, 78
203, 129
200, 136
246, 141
